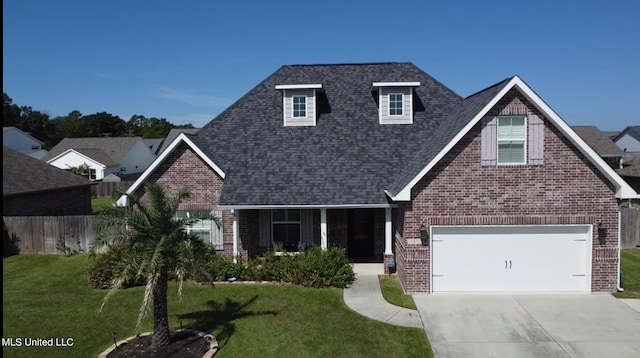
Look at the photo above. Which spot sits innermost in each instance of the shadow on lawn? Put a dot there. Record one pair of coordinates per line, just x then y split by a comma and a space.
223, 315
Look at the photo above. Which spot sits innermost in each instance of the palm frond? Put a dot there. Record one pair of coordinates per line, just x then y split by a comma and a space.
146, 301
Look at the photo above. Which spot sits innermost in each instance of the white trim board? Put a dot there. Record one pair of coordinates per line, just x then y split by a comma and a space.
122, 201
623, 190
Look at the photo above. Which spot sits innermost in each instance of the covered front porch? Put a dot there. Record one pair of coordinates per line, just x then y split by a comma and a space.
366, 233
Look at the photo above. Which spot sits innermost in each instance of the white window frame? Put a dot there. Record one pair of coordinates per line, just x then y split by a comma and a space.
201, 225
293, 107
395, 102
286, 222
510, 140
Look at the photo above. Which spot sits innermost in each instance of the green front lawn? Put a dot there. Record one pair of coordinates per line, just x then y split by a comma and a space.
98, 203
392, 292
47, 296
630, 259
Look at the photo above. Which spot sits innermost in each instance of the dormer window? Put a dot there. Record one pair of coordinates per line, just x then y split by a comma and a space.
299, 106
395, 104
395, 101
299, 103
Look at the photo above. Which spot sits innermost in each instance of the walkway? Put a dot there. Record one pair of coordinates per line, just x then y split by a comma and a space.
365, 297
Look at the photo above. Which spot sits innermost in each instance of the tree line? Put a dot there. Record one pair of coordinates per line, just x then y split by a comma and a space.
76, 125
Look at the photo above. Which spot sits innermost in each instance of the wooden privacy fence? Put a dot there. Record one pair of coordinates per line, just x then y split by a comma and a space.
39, 234
107, 188
629, 227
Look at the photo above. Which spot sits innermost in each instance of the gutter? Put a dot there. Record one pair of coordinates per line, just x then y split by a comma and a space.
618, 288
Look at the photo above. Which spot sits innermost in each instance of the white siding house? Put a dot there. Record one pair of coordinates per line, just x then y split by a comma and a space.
22, 142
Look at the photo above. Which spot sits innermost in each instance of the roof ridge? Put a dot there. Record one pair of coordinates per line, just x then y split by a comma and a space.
493, 85
349, 64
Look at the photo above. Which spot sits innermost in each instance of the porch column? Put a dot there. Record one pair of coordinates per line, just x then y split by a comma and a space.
388, 250
236, 234
323, 229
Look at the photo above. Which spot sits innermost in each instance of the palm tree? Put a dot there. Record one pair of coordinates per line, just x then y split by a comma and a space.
155, 245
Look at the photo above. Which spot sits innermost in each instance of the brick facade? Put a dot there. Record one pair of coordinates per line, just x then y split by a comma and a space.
566, 189
183, 168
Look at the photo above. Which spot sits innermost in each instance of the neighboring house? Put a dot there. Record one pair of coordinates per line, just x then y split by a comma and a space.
172, 135
104, 156
602, 144
22, 142
630, 170
31, 187
627, 165
154, 144
493, 192
629, 139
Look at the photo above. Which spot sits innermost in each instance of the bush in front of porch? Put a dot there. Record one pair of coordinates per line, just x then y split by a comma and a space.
312, 267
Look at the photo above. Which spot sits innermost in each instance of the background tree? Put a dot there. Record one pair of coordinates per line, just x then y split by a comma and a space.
103, 124
69, 126
76, 125
148, 127
10, 112
155, 245
36, 123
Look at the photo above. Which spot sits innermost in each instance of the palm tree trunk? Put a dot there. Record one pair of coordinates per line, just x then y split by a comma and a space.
160, 314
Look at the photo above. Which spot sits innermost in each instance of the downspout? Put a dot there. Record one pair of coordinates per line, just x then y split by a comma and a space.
620, 289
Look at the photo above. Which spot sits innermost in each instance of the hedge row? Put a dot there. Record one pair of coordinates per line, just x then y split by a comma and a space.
313, 267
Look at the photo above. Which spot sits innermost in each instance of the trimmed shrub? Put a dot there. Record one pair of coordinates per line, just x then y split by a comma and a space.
104, 268
313, 267
221, 269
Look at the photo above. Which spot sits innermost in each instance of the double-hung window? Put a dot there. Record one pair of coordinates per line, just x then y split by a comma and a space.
395, 104
206, 229
299, 106
511, 140
286, 229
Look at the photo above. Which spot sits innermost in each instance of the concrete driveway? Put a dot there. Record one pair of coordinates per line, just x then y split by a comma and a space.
537, 325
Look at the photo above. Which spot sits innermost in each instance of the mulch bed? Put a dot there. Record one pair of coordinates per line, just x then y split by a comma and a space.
183, 344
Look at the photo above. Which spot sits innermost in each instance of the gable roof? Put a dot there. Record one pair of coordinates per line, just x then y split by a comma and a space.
445, 134
598, 141
623, 190
18, 130
23, 174
347, 158
181, 138
633, 131
106, 150
172, 135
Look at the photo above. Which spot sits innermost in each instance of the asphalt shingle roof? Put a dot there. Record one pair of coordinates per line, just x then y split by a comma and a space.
347, 158
631, 165
598, 141
109, 150
456, 120
171, 136
24, 174
633, 131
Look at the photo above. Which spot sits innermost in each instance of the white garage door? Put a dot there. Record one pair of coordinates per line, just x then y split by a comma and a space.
511, 259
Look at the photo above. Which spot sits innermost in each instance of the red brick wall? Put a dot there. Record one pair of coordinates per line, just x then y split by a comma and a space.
185, 169
566, 189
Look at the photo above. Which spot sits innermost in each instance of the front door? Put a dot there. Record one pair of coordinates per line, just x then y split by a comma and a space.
360, 243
